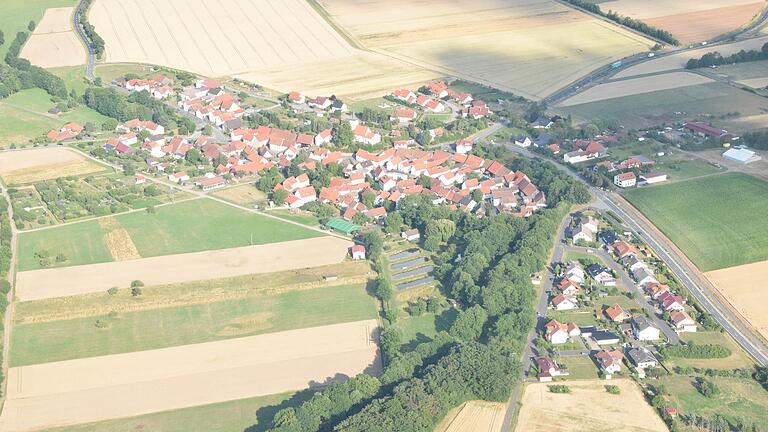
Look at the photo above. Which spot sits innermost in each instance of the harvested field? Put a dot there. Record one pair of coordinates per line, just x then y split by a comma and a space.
273, 257
474, 416
635, 86
689, 20
589, 407
677, 61
526, 47
755, 83
85, 390
30, 166
118, 241
246, 194
54, 43
744, 288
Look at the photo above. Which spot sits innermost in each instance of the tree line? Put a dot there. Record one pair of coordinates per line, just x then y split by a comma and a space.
715, 58
19, 74
90, 31
626, 21
141, 105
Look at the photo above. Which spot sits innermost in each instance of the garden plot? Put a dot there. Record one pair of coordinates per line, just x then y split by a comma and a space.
273, 257
53, 42
123, 385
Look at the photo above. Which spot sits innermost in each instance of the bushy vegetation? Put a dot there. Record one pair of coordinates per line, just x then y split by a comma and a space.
695, 351
90, 31
559, 388
19, 74
5, 265
632, 23
757, 139
139, 105
716, 59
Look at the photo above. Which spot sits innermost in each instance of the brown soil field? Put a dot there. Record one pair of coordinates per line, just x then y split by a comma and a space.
29, 166
744, 288
588, 407
123, 385
245, 194
677, 61
54, 43
474, 416
635, 86
118, 240
529, 47
92, 278
689, 20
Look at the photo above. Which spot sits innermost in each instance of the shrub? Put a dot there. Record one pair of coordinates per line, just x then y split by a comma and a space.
559, 388
612, 389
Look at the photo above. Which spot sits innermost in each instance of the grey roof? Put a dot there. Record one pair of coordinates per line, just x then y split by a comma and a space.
603, 335
642, 323
639, 355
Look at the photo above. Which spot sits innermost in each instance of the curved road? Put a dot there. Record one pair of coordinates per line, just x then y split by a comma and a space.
76, 22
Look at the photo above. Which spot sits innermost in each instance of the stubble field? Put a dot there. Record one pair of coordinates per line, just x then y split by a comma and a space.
744, 288
589, 407
53, 42
34, 165
474, 416
616, 89
528, 47
87, 390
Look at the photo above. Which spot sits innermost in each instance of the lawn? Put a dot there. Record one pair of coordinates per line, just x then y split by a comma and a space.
81, 243
738, 398
18, 13
686, 169
192, 323
236, 415
73, 76
712, 219
737, 359
582, 317
18, 127
204, 224
581, 367
581, 256
303, 217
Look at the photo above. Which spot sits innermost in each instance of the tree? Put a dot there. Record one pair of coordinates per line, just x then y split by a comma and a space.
112, 291
360, 219
31, 26
383, 289
393, 222
343, 136
207, 130
2, 38
438, 231
137, 283
707, 388
477, 195
469, 324
373, 245
279, 196
269, 179
136, 291
129, 169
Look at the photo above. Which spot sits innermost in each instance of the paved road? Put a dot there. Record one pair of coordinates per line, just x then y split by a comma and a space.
684, 271
76, 21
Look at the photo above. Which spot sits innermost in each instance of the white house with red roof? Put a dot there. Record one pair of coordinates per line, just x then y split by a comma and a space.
404, 115
464, 146
357, 252
404, 95
178, 177
438, 89
364, 135
296, 97
301, 196
68, 131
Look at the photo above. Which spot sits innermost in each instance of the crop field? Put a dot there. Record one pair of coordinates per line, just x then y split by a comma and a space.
678, 105
678, 61
18, 13
589, 407
689, 20
738, 398
54, 42
526, 47
33, 165
84, 390
617, 89
744, 288
712, 219
167, 269
474, 416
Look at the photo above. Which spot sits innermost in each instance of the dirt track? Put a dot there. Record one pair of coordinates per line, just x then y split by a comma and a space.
68, 281
124, 385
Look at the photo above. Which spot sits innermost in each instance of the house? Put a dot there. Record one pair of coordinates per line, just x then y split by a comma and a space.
609, 237
364, 135
616, 313
601, 275
556, 332
568, 287
574, 272
411, 234
357, 252
642, 357
623, 249
211, 183
653, 178
523, 141
68, 131
604, 337
404, 115
404, 95
178, 177
644, 329
296, 97
301, 196
625, 180
670, 302
562, 303
548, 369
583, 234
464, 146
682, 322
591, 224
323, 137
643, 276
438, 89
543, 140
633, 263
139, 179
609, 361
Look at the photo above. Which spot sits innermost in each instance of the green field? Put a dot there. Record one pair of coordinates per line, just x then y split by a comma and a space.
174, 326
714, 220
581, 367
16, 14
18, 127
738, 398
234, 415
204, 224
73, 76
37, 100
81, 243
582, 317
653, 108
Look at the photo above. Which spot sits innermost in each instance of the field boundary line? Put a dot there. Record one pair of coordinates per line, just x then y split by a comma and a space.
338, 28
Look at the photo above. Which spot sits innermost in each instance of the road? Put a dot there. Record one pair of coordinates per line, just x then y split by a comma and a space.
9, 310
76, 22
674, 259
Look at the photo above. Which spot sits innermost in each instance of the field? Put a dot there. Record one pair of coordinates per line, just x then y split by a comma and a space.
737, 359
676, 105
54, 42
581, 367
167, 269
474, 416
677, 61
34, 165
233, 415
689, 20
17, 14
712, 219
84, 390
526, 47
738, 398
245, 195
37, 100
589, 407
744, 288
617, 89
81, 243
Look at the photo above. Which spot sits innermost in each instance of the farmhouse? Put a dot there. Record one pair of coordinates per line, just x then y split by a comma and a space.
178, 177
68, 131
625, 180
411, 234
212, 183
704, 130
404, 115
